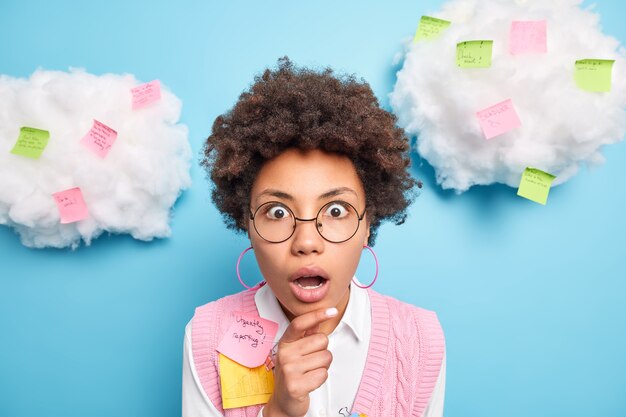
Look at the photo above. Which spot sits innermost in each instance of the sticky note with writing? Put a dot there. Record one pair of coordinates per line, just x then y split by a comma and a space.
31, 142
249, 340
528, 37
146, 94
99, 139
474, 54
498, 119
535, 185
71, 205
430, 28
594, 74
243, 386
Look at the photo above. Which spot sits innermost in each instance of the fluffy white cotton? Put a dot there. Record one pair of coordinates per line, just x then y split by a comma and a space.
563, 127
130, 191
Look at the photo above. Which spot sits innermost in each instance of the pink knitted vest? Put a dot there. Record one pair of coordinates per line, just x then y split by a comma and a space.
403, 362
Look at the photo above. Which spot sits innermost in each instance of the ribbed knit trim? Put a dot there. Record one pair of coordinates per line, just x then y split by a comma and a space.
429, 347
205, 334
431, 350
377, 355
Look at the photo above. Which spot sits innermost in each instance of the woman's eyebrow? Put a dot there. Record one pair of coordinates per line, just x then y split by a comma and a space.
283, 195
336, 191
275, 193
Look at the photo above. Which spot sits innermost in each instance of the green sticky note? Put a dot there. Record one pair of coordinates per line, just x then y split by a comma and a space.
535, 185
31, 142
430, 28
474, 54
594, 74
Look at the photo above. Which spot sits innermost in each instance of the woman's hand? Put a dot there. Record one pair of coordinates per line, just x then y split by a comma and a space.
302, 363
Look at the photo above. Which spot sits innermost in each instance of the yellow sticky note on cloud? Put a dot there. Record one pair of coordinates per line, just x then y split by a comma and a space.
474, 54
430, 28
242, 386
594, 74
31, 142
535, 185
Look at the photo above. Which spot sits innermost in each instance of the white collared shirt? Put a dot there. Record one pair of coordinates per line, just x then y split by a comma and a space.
348, 344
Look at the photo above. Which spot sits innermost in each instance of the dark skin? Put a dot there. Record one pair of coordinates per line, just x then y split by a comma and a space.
302, 363
303, 358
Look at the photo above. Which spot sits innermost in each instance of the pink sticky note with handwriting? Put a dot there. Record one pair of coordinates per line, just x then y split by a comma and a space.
528, 37
498, 119
71, 205
249, 340
99, 139
146, 94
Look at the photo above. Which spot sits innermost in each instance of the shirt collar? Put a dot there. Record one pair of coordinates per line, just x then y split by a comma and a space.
269, 309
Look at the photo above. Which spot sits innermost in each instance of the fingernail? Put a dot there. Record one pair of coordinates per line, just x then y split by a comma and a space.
331, 312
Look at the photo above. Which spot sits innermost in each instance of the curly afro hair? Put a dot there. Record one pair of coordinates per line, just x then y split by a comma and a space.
292, 107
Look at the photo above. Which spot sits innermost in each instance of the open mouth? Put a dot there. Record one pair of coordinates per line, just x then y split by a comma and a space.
310, 283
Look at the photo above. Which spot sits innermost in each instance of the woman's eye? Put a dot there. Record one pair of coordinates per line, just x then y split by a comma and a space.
277, 213
337, 211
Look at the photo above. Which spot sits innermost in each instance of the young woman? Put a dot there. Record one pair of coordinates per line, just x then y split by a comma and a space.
308, 165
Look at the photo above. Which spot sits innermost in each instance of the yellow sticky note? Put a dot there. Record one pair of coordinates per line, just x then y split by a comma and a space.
535, 185
474, 54
31, 142
430, 28
594, 74
243, 386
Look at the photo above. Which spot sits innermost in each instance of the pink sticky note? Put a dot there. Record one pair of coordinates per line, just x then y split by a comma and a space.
498, 119
99, 139
249, 340
71, 204
528, 37
146, 94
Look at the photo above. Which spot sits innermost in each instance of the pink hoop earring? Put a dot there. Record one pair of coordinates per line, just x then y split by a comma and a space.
238, 262
375, 276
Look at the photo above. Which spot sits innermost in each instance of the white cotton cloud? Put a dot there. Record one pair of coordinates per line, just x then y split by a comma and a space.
562, 126
131, 190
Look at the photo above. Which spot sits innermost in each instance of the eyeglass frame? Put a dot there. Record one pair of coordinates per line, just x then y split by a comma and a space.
296, 219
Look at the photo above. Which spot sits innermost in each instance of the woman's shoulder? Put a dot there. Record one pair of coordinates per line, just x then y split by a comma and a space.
396, 305
408, 322
241, 299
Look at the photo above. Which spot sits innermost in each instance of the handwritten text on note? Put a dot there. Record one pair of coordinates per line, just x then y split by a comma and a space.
31, 142
474, 54
99, 139
146, 94
498, 119
528, 37
71, 205
249, 340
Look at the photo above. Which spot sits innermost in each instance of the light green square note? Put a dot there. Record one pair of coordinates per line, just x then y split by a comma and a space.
430, 28
594, 74
474, 54
535, 185
31, 142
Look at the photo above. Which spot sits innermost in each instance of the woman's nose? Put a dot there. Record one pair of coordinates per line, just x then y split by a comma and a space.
306, 238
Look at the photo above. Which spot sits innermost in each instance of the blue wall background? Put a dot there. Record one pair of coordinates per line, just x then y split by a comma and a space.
531, 297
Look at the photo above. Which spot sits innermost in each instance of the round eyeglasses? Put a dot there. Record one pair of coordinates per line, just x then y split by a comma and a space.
337, 221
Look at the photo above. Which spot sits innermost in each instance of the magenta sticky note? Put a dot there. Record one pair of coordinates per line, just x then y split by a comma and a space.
498, 119
249, 340
71, 205
146, 94
528, 37
99, 139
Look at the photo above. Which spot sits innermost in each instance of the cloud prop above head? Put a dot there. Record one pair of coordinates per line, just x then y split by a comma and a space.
129, 159
561, 125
